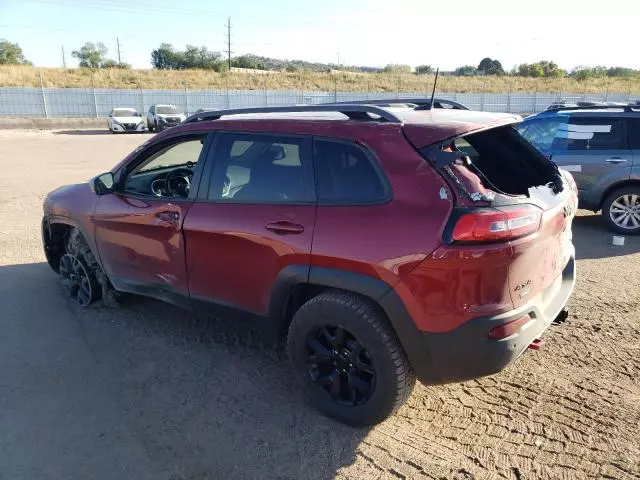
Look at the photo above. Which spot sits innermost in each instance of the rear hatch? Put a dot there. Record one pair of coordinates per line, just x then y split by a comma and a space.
507, 193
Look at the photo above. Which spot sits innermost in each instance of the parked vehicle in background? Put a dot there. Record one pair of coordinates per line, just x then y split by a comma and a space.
600, 145
386, 243
122, 120
160, 117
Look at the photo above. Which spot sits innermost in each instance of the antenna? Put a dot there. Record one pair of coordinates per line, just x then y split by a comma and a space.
433, 92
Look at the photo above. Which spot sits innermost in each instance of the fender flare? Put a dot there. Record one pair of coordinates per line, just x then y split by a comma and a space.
70, 222
370, 287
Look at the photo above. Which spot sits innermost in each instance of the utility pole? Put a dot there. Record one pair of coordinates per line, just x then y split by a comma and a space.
118, 43
228, 25
64, 61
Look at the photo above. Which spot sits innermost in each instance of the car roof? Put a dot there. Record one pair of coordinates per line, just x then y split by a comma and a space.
424, 126
586, 112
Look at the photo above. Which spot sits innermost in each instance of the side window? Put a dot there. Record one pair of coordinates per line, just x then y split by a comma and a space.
166, 172
252, 168
345, 173
633, 125
542, 133
589, 133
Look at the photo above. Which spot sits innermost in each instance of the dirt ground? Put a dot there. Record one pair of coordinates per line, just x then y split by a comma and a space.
146, 391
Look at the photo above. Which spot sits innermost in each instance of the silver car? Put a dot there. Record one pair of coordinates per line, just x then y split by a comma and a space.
600, 146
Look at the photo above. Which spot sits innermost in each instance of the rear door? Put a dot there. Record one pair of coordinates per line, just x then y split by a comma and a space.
592, 148
255, 217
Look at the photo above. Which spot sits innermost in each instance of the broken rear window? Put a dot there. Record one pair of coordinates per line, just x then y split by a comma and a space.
494, 161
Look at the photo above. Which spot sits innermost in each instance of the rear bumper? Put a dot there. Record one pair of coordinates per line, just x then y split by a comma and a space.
467, 352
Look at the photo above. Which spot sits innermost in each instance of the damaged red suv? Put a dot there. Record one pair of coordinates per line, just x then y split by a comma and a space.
386, 243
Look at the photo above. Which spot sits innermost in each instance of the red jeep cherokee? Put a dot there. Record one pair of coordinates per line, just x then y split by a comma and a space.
389, 242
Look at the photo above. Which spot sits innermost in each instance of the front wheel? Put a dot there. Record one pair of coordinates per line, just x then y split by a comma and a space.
621, 210
348, 359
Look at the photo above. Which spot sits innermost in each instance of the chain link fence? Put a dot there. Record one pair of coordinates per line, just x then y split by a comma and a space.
43, 102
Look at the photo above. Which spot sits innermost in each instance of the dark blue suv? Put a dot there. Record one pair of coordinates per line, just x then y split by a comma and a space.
600, 145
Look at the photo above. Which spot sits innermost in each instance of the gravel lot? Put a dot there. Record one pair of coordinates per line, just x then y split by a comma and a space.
146, 391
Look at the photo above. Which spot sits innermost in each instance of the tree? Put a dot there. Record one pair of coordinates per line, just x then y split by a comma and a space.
164, 57
248, 61
551, 69
91, 55
465, 71
490, 67
396, 68
11, 54
622, 72
109, 63
424, 69
543, 68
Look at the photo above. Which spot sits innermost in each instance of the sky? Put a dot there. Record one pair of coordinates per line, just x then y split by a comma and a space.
355, 32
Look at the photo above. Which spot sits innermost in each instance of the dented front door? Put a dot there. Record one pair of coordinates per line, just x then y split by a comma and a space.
141, 245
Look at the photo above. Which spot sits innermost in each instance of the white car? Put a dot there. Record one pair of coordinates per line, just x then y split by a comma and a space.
160, 117
125, 120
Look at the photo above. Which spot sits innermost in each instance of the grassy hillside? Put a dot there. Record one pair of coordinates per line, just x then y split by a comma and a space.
24, 76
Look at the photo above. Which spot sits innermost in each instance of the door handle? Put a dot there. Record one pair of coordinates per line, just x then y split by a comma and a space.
168, 216
615, 160
284, 228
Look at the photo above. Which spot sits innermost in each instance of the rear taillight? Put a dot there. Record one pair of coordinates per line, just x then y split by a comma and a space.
508, 329
496, 224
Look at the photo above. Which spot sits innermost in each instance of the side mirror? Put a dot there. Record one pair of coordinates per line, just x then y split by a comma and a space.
102, 184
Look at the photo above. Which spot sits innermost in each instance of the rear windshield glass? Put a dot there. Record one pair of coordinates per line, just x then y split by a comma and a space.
125, 112
167, 109
499, 160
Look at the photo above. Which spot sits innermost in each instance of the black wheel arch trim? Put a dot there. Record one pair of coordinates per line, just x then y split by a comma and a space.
49, 220
373, 288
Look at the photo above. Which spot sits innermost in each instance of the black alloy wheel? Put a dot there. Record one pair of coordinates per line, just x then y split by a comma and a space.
339, 364
76, 280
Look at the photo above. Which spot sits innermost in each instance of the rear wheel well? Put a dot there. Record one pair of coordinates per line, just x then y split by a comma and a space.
303, 292
616, 186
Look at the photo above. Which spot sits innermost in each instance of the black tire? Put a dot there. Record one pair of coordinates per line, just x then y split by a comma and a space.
77, 246
151, 127
362, 320
611, 208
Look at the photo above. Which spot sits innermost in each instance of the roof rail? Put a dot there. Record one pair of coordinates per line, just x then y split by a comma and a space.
353, 111
421, 103
627, 107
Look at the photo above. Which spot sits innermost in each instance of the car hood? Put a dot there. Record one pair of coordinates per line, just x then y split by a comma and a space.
128, 119
169, 115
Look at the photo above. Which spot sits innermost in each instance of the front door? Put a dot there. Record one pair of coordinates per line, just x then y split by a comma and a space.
256, 218
139, 226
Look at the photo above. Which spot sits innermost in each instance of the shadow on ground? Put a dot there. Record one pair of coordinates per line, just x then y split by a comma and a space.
96, 131
593, 240
149, 391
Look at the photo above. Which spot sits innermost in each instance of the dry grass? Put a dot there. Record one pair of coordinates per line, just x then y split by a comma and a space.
21, 76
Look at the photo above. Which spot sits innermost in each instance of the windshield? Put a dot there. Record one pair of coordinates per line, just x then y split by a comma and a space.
125, 112
165, 109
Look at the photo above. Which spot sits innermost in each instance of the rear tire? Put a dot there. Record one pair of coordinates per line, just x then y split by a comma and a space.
359, 381
621, 208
